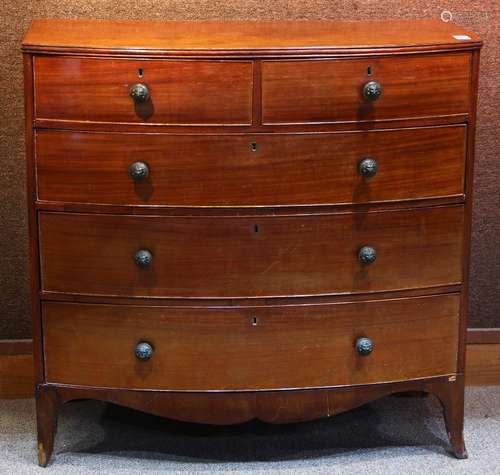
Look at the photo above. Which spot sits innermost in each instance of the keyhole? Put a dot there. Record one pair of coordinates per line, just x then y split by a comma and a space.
140, 72
369, 71
256, 228
253, 146
254, 321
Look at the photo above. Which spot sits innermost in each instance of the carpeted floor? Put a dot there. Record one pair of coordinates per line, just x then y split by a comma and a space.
391, 436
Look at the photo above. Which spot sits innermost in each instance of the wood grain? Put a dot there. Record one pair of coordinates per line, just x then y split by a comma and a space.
269, 406
32, 215
16, 369
245, 257
182, 92
248, 302
483, 335
255, 284
16, 347
16, 377
483, 364
255, 348
311, 127
331, 91
19, 382
48, 403
224, 170
241, 37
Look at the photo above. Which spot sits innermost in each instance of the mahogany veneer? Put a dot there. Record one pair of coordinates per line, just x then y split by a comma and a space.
254, 219
330, 91
320, 168
250, 257
258, 348
182, 92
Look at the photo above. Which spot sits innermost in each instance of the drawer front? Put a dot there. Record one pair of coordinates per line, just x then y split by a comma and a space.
250, 348
180, 92
332, 90
250, 170
250, 257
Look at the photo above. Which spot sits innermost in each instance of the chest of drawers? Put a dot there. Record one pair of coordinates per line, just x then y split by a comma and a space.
249, 220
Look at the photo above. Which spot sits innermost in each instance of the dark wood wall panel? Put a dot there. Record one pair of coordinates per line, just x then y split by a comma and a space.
481, 17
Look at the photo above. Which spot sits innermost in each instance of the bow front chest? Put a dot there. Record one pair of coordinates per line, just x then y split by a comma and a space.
249, 219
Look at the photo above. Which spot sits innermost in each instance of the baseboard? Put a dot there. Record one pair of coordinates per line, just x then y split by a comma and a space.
483, 335
16, 347
482, 364
16, 366
16, 369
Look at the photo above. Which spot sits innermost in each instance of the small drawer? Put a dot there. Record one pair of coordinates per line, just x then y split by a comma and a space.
250, 348
323, 91
138, 91
250, 170
251, 256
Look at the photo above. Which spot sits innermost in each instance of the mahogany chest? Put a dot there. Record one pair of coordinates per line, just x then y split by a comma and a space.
249, 219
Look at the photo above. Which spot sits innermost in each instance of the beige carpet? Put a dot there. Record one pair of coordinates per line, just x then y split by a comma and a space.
390, 436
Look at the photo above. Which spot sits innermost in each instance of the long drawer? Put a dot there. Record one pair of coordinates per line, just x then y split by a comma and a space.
251, 256
332, 90
179, 92
250, 170
250, 348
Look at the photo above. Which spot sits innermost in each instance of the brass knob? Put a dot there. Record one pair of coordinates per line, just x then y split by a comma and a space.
139, 93
143, 351
372, 91
368, 167
367, 255
364, 346
138, 171
143, 258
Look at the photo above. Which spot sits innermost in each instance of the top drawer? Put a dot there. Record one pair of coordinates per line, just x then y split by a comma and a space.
322, 91
178, 92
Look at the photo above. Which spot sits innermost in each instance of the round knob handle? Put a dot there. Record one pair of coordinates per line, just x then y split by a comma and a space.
364, 346
143, 351
138, 171
139, 93
367, 255
143, 258
368, 167
372, 91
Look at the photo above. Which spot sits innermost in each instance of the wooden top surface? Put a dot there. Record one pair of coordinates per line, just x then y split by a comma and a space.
237, 38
